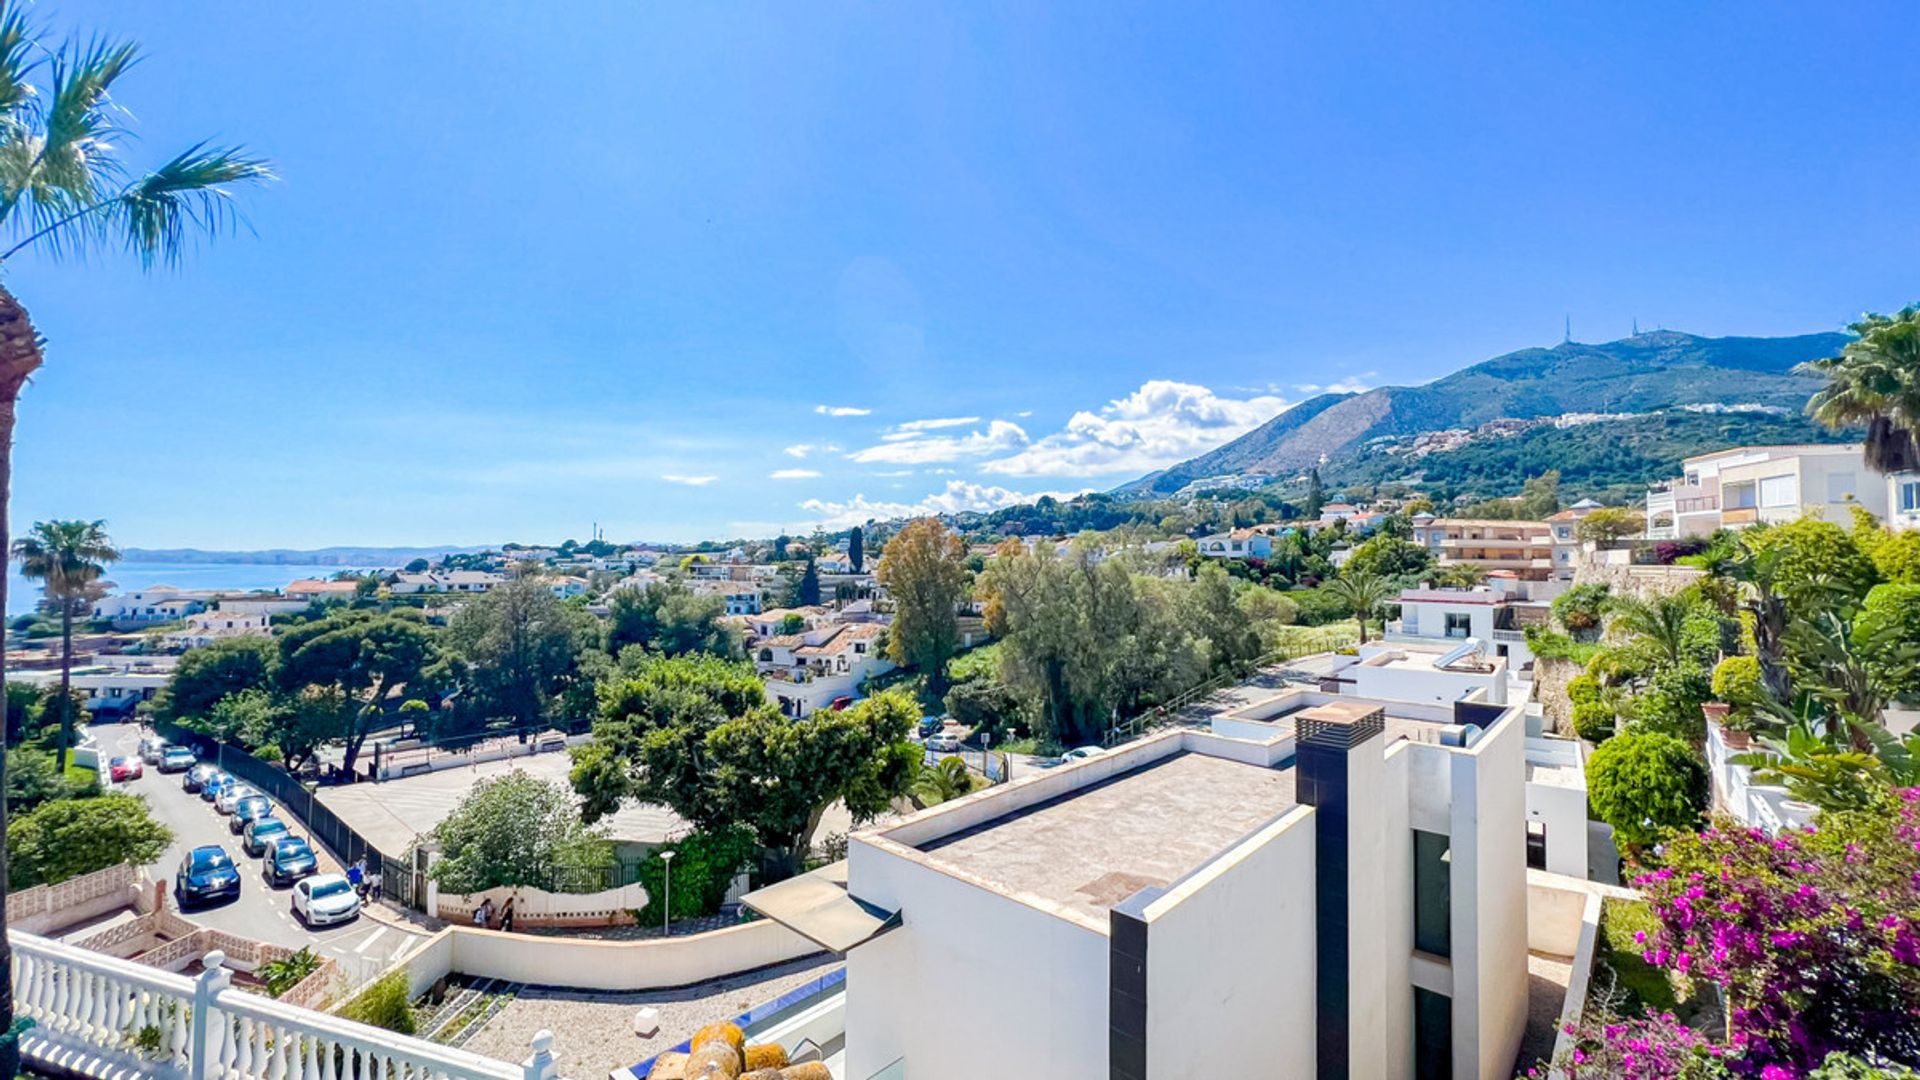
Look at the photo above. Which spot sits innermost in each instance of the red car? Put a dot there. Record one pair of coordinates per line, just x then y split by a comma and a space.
125, 768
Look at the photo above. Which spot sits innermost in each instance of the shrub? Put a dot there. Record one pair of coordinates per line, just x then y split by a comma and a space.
1593, 721
1579, 609
1736, 680
1583, 689
383, 1004
1884, 635
1624, 925
283, 975
1549, 644
1815, 557
70, 837
1671, 703
1646, 784
704, 866
991, 707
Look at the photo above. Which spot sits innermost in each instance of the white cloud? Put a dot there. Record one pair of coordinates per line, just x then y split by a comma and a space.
940, 422
1160, 424
957, 497
895, 472
841, 410
800, 450
1356, 384
1024, 413
690, 481
793, 474
916, 448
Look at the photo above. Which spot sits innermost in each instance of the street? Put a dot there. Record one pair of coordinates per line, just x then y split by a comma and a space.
363, 946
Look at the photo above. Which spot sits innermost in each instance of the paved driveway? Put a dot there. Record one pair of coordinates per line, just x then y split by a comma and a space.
263, 913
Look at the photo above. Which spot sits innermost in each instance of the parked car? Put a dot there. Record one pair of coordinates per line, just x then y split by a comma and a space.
247, 811
216, 783
177, 759
151, 747
288, 859
944, 743
206, 874
125, 768
230, 795
195, 779
325, 899
261, 832
931, 725
1080, 753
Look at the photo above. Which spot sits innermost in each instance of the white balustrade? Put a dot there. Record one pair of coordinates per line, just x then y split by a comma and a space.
203, 1028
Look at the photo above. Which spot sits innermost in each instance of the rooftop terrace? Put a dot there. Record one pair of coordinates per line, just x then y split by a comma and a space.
1092, 847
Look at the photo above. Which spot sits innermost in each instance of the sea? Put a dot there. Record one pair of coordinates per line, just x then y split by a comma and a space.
23, 595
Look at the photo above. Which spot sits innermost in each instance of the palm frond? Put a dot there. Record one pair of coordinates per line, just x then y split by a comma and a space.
17, 63
155, 212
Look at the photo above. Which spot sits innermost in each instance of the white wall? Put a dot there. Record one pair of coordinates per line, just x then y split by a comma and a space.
1230, 960
625, 965
1489, 879
1018, 987
1403, 682
1562, 809
1396, 863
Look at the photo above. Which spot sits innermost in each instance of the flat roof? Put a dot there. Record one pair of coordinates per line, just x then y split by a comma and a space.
1091, 848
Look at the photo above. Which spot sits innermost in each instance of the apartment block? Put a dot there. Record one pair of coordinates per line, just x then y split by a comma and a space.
1336, 892
1525, 548
1771, 484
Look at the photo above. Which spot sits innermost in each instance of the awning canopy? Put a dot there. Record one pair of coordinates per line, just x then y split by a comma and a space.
818, 907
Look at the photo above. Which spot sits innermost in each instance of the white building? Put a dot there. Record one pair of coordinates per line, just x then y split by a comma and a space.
1903, 500
1439, 675
1770, 484
1347, 901
563, 587
1237, 544
1497, 613
207, 627
445, 581
308, 590
741, 597
153, 604
821, 667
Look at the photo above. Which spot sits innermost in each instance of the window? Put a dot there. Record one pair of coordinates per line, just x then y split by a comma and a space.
1780, 491
1537, 845
1739, 497
1459, 625
1432, 1035
1839, 487
1910, 496
1432, 894
1693, 479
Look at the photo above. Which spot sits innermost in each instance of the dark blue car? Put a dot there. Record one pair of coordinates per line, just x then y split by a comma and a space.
288, 860
206, 875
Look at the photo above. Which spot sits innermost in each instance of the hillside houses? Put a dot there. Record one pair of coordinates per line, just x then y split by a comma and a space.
444, 581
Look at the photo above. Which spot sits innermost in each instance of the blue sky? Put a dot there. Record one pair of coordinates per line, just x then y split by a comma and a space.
692, 270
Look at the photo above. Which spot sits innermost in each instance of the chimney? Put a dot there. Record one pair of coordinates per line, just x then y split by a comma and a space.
1341, 766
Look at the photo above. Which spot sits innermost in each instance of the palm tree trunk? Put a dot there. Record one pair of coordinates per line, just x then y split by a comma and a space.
19, 356
66, 687
1361, 621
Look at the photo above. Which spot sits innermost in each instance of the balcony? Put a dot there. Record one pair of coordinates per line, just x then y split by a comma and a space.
106, 1016
1744, 515
1510, 636
1537, 540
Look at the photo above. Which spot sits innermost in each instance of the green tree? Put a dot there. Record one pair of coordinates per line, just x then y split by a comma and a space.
519, 830
1887, 638
808, 591
1214, 615
1645, 784
1816, 560
857, 549
924, 568
1875, 381
942, 782
1362, 593
1657, 624
991, 707
520, 644
704, 867
32, 780
67, 558
207, 675
1388, 556
1582, 609
70, 837
668, 618
418, 566
361, 658
1609, 525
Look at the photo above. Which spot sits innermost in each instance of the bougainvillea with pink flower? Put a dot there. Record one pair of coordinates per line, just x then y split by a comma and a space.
1813, 935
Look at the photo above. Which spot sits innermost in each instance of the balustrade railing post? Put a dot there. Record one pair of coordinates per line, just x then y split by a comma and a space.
541, 1066
213, 979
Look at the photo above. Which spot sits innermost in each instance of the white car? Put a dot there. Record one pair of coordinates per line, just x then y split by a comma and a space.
1080, 753
943, 743
325, 899
233, 794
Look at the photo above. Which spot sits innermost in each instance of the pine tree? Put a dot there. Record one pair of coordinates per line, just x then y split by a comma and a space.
857, 549
809, 592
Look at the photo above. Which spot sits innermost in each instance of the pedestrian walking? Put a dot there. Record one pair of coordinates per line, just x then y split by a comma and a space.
373, 885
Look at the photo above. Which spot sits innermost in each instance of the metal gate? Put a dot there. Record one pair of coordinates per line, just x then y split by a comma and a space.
404, 880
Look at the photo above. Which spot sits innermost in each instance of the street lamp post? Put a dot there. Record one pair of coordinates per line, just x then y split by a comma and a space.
666, 908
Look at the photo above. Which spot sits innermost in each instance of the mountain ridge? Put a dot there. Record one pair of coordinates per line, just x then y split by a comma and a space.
1655, 370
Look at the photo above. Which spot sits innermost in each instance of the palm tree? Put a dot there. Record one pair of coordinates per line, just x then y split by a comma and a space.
1876, 381
65, 191
949, 779
1361, 591
1658, 623
67, 558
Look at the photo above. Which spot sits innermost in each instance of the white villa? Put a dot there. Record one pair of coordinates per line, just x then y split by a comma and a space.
1770, 484
153, 604
445, 581
819, 666
207, 627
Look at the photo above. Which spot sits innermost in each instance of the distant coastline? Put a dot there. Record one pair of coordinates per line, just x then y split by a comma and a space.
328, 556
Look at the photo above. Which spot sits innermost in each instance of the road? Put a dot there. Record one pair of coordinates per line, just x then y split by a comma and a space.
363, 946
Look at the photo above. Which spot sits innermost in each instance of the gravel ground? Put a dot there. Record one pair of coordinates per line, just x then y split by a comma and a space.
1547, 977
593, 1032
